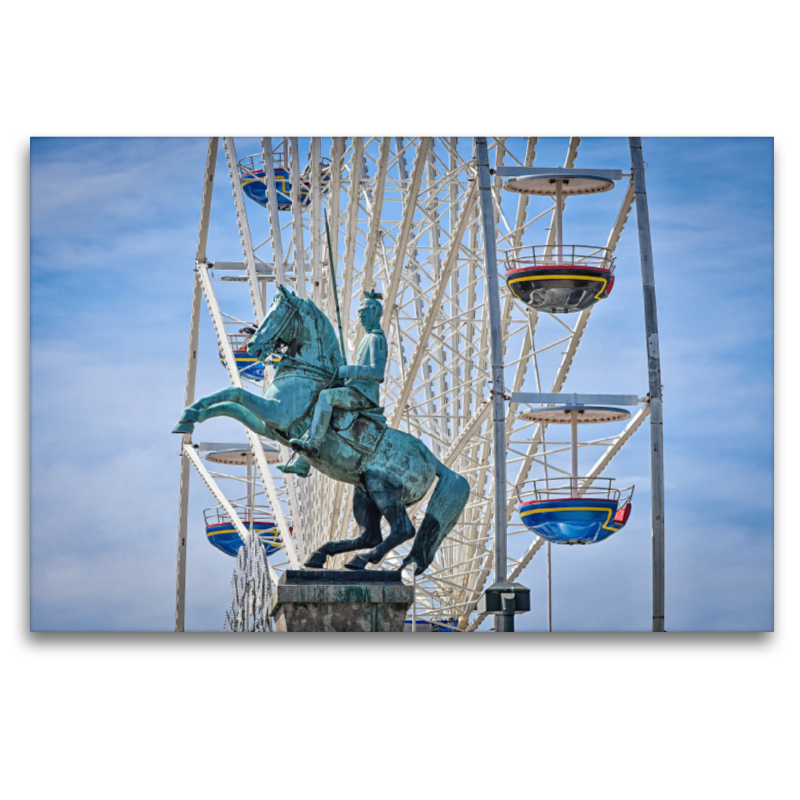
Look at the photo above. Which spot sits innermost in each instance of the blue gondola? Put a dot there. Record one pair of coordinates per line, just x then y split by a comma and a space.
225, 537
249, 366
574, 510
575, 520
255, 188
252, 175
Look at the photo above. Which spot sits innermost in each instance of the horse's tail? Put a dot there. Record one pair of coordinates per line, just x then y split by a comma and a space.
445, 507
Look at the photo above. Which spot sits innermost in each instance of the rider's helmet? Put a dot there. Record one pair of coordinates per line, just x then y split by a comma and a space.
371, 309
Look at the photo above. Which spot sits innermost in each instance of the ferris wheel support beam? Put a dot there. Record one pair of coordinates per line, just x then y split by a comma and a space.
191, 375
183, 512
654, 375
480, 454
498, 388
205, 207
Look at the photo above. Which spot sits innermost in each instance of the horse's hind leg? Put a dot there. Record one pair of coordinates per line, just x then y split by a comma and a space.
368, 518
388, 498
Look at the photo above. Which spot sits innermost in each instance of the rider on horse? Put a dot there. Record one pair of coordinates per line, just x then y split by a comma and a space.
362, 390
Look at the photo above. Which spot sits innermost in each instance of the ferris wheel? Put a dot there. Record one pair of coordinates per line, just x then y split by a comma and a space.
404, 216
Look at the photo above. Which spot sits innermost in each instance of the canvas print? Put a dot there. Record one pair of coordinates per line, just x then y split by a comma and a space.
402, 384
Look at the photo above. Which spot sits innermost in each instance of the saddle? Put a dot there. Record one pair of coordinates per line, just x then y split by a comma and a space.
362, 430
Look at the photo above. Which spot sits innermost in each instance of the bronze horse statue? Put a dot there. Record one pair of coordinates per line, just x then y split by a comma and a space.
389, 468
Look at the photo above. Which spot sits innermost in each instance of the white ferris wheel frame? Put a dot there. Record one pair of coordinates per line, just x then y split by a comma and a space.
417, 233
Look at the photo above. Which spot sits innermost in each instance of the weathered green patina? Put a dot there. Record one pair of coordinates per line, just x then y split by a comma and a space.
348, 439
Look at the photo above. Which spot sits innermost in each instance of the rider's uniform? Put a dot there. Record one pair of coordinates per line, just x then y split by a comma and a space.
366, 374
362, 390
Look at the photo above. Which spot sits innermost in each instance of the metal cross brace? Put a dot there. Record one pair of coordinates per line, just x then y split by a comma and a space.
573, 398
608, 174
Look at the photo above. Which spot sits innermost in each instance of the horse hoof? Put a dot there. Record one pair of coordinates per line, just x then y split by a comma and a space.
183, 427
407, 562
317, 561
357, 562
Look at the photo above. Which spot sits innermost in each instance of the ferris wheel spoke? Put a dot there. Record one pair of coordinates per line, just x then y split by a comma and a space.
409, 208
433, 308
205, 204
272, 195
375, 216
317, 277
334, 220
244, 228
350, 241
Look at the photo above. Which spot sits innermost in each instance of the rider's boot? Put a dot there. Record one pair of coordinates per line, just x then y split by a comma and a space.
319, 425
307, 445
298, 466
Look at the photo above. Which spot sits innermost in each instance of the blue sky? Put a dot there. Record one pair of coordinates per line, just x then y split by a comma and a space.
113, 236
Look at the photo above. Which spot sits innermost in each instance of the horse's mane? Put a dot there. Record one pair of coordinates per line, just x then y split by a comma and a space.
330, 341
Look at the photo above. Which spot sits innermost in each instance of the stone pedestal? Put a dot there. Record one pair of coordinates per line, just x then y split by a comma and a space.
314, 600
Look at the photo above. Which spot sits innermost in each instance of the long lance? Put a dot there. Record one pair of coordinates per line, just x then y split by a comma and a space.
335, 288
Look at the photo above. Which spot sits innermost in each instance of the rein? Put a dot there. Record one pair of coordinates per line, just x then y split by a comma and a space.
291, 361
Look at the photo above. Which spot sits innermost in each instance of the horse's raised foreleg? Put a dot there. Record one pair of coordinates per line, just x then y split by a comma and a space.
387, 496
368, 519
233, 394
260, 408
235, 411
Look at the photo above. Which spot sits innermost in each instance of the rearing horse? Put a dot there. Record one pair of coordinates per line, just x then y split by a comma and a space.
387, 478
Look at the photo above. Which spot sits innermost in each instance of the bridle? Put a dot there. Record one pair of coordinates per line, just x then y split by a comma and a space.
288, 319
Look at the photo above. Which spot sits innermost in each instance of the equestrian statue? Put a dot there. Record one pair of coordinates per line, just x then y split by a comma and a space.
329, 414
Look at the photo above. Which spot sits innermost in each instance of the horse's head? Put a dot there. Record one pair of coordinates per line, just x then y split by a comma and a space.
299, 324
277, 328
